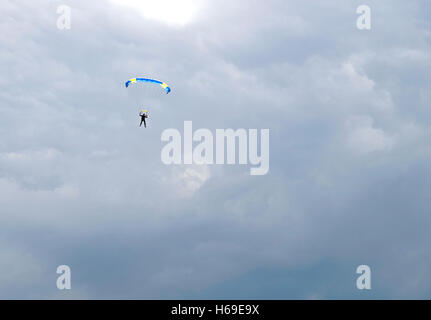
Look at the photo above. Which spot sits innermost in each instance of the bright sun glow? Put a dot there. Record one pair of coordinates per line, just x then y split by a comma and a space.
172, 12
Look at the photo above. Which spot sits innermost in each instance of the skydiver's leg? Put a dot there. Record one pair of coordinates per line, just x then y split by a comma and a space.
145, 123
141, 123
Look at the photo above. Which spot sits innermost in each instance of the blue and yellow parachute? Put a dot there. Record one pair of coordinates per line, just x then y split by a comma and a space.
162, 84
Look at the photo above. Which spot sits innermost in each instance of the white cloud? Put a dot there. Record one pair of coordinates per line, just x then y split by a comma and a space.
186, 180
363, 138
171, 12
359, 80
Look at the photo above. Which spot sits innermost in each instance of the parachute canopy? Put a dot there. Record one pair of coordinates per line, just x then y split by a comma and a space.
162, 84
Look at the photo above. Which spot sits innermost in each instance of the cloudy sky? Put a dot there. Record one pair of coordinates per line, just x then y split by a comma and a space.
350, 176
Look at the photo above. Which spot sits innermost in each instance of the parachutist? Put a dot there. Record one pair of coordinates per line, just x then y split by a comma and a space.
143, 115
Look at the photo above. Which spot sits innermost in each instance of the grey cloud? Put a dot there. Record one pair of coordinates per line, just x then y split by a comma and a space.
81, 184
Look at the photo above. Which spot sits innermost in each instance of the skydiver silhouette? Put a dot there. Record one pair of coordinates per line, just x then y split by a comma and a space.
143, 115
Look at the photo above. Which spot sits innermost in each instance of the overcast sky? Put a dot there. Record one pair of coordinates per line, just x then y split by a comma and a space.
350, 176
